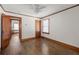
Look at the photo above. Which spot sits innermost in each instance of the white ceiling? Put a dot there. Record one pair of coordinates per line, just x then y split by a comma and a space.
37, 10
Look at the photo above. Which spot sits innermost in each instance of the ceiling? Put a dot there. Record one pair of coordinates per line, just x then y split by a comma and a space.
37, 10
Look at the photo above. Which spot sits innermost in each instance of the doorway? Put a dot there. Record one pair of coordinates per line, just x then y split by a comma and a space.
37, 28
9, 26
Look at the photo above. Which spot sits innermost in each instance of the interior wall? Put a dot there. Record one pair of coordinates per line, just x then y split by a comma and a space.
1, 11
28, 25
64, 27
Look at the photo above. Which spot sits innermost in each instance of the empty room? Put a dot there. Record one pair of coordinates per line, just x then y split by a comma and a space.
39, 29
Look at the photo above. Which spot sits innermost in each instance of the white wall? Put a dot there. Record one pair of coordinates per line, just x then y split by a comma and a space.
64, 27
28, 25
1, 11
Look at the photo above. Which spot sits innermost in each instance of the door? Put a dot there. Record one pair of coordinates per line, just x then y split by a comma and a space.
38, 28
6, 31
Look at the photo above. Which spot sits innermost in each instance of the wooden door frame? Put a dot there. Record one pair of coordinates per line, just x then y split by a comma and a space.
20, 27
2, 31
36, 32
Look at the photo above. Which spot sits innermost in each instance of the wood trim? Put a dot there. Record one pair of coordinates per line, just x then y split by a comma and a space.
37, 28
25, 39
15, 32
48, 26
20, 29
6, 41
11, 16
63, 44
46, 33
1, 32
20, 26
60, 11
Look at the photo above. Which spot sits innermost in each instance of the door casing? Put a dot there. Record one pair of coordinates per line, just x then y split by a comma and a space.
37, 28
5, 42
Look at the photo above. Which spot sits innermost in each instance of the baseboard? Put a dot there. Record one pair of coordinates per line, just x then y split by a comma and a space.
64, 44
25, 39
15, 32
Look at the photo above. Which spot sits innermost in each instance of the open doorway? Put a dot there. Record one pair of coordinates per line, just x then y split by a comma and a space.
10, 25
14, 26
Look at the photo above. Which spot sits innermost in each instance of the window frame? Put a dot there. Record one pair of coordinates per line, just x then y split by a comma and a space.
14, 26
48, 26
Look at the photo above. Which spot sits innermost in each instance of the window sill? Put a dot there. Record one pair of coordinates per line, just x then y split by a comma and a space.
45, 32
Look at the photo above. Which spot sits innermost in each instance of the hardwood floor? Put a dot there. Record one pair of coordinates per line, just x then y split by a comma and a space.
14, 47
40, 46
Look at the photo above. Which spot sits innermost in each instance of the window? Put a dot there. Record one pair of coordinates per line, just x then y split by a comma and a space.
16, 26
45, 26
